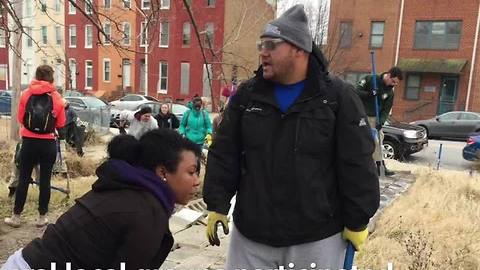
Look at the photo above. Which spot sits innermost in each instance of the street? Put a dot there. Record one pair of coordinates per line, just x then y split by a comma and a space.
451, 155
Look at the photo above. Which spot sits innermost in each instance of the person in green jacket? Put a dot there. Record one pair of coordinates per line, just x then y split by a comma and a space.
196, 125
385, 83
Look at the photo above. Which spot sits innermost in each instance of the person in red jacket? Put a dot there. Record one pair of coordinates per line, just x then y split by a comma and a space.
40, 112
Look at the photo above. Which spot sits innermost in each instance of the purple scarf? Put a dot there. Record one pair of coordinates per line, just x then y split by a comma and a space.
147, 179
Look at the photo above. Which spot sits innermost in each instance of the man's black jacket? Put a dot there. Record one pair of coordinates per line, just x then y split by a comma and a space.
299, 176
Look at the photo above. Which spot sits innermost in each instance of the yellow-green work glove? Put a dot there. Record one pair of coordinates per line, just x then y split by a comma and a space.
212, 222
357, 238
208, 139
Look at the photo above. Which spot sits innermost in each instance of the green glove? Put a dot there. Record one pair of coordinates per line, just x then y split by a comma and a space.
357, 238
213, 219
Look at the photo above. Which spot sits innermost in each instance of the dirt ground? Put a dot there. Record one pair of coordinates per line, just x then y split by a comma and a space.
81, 177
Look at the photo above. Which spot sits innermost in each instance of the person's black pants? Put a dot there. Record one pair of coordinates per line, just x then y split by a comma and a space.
33, 152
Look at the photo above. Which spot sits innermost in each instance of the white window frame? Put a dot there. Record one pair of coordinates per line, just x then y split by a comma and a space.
87, 38
44, 41
143, 36
107, 60
29, 40
105, 40
149, 4
58, 6
73, 72
72, 10
189, 34
161, 33
3, 38
129, 34
162, 76
211, 5
58, 35
70, 45
109, 4
28, 8
89, 7
182, 85
164, 4
86, 74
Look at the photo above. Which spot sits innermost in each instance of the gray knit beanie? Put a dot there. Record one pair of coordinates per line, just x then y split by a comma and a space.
292, 26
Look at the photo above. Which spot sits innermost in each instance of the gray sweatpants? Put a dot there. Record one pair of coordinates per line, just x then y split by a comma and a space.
243, 253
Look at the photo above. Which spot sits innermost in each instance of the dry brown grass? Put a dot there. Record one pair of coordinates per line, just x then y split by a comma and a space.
6, 157
80, 166
435, 225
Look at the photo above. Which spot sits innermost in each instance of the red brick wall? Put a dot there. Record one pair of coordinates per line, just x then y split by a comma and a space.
356, 58
361, 14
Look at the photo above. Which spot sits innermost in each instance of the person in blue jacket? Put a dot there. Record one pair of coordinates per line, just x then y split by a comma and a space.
196, 125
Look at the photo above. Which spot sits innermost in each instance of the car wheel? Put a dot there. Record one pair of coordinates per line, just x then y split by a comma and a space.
426, 130
390, 150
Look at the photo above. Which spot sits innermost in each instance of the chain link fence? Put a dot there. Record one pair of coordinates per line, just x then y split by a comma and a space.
97, 119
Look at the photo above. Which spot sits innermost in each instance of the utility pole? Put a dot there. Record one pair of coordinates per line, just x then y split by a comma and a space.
17, 69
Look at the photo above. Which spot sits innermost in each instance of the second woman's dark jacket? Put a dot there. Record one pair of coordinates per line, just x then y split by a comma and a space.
119, 220
168, 120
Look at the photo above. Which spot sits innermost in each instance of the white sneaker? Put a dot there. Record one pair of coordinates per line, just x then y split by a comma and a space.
13, 221
42, 221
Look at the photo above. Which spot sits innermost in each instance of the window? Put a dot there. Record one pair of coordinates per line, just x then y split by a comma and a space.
164, 34
450, 116
107, 29
28, 30
43, 5
144, 34
354, 77
58, 6
44, 34
184, 78
88, 36
376, 34
126, 3
28, 8
107, 3
164, 4
58, 35
106, 70
88, 7
345, 34
126, 33
88, 74
3, 39
71, 8
210, 3
412, 90
209, 37
163, 77
207, 71
469, 116
186, 34
72, 38
72, 65
145, 4
440, 35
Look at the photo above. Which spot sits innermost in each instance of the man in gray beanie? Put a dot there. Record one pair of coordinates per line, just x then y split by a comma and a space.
295, 147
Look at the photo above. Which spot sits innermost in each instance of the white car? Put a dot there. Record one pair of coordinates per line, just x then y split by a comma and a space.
131, 101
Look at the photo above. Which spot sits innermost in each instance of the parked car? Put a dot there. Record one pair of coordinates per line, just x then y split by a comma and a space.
471, 151
176, 108
5, 102
91, 109
402, 139
457, 124
131, 101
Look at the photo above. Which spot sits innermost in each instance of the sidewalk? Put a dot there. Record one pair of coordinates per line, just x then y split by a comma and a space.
192, 250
